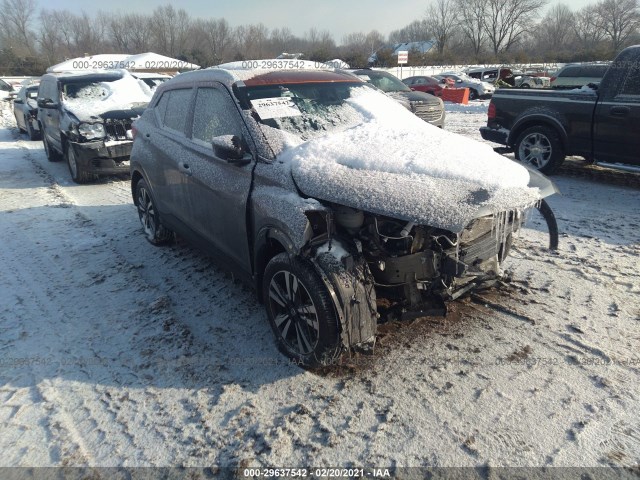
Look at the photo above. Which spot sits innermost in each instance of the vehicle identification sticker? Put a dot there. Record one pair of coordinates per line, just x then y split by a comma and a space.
275, 107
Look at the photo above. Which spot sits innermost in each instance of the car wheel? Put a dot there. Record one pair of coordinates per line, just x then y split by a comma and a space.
154, 231
52, 154
301, 313
525, 85
78, 172
473, 94
540, 147
31, 132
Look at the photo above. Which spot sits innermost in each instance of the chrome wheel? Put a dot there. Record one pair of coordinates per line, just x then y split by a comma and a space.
294, 313
535, 149
147, 213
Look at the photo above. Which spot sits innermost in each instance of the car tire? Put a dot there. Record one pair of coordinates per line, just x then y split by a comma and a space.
540, 146
51, 153
300, 311
525, 85
78, 172
31, 132
473, 94
155, 232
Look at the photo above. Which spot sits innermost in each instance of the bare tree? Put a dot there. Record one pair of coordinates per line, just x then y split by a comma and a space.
587, 27
442, 20
619, 19
170, 29
506, 21
16, 18
471, 15
555, 30
416, 31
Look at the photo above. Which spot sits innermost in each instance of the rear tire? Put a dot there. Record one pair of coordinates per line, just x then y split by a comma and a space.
301, 312
540, 147
154, 231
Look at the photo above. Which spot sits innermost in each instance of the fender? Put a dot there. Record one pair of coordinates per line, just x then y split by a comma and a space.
537, 116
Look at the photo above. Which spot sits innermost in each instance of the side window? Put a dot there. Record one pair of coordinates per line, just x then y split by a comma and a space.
215, 115
419, 81
161, 106
631, 86
177, 110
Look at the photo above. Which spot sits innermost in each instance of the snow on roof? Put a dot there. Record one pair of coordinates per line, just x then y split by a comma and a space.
395, 164
246, 69
142, 61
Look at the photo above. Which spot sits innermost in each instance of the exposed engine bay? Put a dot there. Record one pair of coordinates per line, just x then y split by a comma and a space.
415, 268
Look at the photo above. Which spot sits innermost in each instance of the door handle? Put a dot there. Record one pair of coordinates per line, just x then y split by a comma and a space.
619, 111
184, 168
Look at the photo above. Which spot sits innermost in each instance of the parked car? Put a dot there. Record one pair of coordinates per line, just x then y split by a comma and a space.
427, 107
6, 89
602, 125
477, 88
325, 195
423, 83
151, 79
86, 117
508, 77
578, 75
25, 109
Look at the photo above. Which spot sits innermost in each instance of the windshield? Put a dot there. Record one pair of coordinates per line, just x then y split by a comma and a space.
384, 81
302, 111
84, 89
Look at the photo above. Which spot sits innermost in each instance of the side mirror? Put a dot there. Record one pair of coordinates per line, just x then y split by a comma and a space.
458, 81
229, 148
46, 103
18, 101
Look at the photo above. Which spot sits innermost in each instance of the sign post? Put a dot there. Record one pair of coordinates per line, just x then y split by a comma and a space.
403, 59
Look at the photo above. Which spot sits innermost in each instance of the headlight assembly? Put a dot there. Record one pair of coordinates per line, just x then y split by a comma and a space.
91, 131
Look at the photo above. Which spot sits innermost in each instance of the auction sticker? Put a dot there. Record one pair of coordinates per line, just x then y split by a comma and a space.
275, 107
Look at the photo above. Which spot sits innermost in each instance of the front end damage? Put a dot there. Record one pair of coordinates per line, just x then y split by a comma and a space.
378, 268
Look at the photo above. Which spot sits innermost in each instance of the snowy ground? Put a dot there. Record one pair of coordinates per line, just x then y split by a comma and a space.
116, 353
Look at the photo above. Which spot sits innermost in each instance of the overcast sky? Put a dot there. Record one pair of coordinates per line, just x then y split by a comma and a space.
340, 17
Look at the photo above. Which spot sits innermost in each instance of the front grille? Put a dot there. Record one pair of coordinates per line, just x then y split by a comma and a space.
117, 129
428, 113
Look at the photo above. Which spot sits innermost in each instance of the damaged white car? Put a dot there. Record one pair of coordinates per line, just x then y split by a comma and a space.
336, 203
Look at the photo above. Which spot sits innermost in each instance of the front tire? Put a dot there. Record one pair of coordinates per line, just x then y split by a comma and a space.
31, 132
540, 146
301, 312
473, 94
154, 231
52, 154
78, 171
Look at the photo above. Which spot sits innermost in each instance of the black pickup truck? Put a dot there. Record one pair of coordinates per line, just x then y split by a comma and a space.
601, 124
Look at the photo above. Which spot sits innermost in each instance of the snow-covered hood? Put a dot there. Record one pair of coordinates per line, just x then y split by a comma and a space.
124, 98
396, 165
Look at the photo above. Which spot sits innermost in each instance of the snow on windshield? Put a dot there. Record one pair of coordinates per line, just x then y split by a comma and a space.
89, 99
393, 162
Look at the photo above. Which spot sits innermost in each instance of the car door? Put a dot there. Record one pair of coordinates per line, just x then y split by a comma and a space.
167, 144
49, 116
218, 188
617, 120
19, 109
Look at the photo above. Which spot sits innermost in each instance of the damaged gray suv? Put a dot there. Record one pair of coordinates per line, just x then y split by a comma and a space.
337, 204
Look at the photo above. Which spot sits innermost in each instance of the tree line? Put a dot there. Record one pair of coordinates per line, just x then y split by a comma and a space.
465, 31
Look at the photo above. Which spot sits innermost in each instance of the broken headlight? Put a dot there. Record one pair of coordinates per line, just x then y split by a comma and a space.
91, 131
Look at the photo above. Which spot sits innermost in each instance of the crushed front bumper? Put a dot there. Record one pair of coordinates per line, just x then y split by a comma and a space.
103, 158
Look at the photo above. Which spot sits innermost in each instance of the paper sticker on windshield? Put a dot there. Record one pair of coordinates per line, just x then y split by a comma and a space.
275, 107
364, 77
